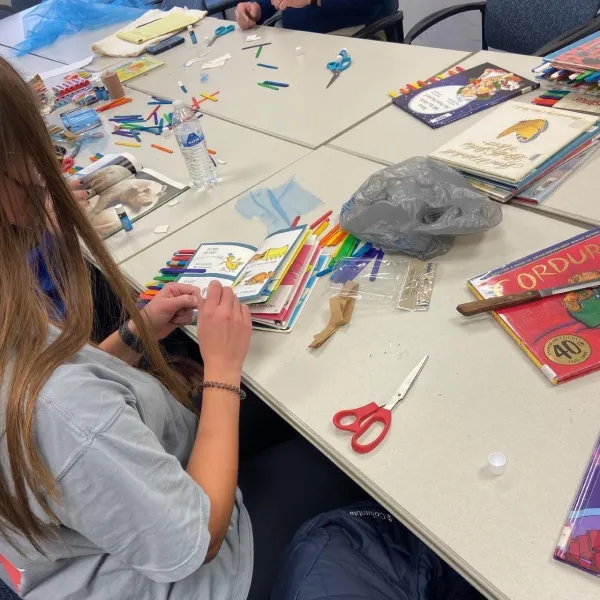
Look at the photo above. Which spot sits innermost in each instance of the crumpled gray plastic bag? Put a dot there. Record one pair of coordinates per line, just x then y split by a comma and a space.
417, 207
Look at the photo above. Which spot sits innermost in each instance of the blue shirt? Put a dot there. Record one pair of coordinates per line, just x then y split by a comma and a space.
331, 16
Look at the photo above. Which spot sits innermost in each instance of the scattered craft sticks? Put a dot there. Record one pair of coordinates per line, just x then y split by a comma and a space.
258, 51
162, 148
205, 99
209, 97
129, 144
277, 84
257, 45
211, 151
266, 66
296, 221
153, 113
320, 219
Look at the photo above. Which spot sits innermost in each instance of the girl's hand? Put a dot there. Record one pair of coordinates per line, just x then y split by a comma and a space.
172, 307
80, 193
224, 329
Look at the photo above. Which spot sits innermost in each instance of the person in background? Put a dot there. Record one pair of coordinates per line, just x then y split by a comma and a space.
110, 487
318, 16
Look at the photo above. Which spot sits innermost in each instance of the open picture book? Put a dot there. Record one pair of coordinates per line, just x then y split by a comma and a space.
274, 279
120, 179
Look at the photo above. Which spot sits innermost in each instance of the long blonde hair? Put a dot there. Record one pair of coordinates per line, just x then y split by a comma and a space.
51, 223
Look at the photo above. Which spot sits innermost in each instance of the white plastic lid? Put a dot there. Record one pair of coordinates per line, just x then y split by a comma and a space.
497, 462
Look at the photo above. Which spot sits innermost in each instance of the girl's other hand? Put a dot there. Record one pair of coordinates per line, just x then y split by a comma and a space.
224, 329
80, 194
172, 307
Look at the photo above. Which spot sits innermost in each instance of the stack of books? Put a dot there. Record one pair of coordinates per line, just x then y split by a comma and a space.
274, 279
517, 145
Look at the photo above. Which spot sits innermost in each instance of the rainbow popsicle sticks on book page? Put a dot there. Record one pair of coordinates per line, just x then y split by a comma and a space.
411, 87
173, 268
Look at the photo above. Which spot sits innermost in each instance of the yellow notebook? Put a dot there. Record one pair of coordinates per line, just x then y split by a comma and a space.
164, 26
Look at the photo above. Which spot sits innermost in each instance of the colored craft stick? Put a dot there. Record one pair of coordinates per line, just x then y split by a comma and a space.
160, 124
177, 270
393, 94
123, 133
257, 45
277, 84
352, 247
376, 266
159, 99
210, 151
161, 148
147, 296
258, 51
404, 91
155, 117
138, 116
186, 251
154, 285
209, 97
182, 87
266, 66
153, 113
165, 278
321, 228
195, 103
205, 99
159, 102
338, 238
114, 104
320, 219
412, 87
296, 221
128, 144
459, 68
325, 271
329, 235
167, 118
362, 251
271, 87
177, 263
543, 102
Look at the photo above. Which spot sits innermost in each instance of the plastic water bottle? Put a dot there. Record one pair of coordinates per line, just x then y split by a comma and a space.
190, 137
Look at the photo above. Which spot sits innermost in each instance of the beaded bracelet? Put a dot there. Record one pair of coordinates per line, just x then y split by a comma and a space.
224, 386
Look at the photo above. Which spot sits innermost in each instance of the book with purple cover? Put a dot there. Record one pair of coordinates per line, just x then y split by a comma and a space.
463, 94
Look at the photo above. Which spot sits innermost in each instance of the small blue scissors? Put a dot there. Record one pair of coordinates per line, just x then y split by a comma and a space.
219, 32
341, 63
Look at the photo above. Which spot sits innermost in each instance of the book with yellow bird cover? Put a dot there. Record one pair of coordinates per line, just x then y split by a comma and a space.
513, 141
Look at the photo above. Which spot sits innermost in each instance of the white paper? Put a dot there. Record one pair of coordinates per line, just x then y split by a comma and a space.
161, 229
216, 62
253, 38
62, 70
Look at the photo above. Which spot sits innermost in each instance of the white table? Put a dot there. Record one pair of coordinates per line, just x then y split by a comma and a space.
477, 394
250, 156
28, 64
67, 48
393, 135
305, 112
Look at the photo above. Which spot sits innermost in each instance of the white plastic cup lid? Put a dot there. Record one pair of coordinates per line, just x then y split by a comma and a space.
497, 462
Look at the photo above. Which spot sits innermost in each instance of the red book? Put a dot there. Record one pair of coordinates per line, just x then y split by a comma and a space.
560, 334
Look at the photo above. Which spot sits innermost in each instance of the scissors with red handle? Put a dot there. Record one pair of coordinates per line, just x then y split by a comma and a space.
365, 417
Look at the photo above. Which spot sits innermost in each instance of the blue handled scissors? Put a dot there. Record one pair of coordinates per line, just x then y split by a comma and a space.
341, 63
220, 32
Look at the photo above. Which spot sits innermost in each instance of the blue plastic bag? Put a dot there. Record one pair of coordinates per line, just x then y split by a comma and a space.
52, 18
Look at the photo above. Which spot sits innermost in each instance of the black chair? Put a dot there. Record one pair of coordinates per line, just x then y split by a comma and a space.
523, 26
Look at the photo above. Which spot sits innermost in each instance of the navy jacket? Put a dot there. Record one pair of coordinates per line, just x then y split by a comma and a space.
363, 553
332, 15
